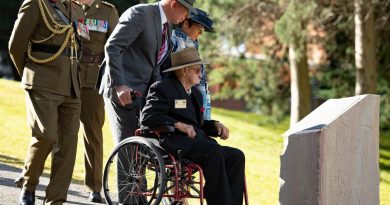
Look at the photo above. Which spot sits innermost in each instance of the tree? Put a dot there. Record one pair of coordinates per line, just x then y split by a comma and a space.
365, 47
291, 30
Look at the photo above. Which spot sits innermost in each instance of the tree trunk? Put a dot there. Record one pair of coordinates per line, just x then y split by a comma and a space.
300, 86
365, 48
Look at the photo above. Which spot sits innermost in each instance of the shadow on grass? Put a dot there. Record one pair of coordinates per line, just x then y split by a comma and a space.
10, 160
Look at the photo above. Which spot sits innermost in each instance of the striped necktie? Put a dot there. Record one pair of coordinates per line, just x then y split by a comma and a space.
163, 43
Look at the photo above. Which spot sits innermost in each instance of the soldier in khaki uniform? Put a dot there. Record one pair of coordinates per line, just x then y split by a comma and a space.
100, 18
44, 47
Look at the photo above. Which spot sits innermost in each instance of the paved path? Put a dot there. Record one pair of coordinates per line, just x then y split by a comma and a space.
9, 193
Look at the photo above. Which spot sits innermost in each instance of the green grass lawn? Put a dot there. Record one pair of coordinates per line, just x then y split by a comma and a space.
260, 140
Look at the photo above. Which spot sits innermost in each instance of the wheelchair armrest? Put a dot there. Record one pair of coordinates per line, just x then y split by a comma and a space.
166, 128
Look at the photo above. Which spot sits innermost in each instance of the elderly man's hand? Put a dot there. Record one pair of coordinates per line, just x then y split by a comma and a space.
223, 131
124, 94
188, 129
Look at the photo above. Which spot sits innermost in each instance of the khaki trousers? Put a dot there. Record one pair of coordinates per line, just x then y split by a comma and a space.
92, 120
54, 123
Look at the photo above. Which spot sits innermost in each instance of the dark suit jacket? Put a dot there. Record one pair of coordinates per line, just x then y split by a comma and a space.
162, 108
131, 51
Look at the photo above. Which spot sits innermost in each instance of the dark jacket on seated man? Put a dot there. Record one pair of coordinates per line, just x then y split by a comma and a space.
173, 101
165, 106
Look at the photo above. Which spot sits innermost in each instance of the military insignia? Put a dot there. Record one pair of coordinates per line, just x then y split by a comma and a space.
82, 30
97, 25
180, 104
108, 4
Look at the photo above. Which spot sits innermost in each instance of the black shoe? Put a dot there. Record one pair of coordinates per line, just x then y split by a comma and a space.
19, 182
95, 197
27, 198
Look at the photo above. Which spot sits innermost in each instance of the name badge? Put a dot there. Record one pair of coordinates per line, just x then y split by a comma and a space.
180, 104
82, 30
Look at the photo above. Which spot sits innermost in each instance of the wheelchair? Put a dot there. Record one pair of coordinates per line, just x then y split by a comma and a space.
140, 171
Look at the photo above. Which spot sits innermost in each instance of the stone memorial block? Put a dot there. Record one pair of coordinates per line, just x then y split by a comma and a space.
331, 156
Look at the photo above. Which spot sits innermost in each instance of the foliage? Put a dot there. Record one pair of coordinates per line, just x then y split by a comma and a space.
291, 27
337, 77
259, 83
122, 5
8, 14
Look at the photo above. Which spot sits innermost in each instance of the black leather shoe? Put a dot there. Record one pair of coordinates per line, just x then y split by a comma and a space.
27, 198
95, 197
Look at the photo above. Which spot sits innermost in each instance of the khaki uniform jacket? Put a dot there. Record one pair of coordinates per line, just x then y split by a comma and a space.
101, 19
58, 76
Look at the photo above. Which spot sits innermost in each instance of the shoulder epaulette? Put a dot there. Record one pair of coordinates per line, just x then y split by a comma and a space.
108, 4
76, 2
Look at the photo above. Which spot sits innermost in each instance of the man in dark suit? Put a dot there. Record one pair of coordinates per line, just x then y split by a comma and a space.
133, 53
135, 50
175, 102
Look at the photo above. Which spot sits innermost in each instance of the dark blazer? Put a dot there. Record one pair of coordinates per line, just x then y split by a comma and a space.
162, 109
131, 51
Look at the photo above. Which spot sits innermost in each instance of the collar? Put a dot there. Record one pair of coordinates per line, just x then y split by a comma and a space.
162, 15
92, 2
179, 33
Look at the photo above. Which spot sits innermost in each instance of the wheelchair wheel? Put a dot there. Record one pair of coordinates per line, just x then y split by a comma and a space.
134, 173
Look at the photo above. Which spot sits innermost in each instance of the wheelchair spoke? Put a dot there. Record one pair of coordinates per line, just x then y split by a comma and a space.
133, 174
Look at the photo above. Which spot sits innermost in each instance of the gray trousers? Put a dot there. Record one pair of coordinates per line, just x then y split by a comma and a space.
123, 123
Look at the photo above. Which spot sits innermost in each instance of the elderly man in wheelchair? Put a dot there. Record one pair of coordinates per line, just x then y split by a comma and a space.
175, 144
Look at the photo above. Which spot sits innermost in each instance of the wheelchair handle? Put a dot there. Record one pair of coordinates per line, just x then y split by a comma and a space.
134, 94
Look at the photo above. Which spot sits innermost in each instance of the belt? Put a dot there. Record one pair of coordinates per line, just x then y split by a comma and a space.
91, 58
44, 48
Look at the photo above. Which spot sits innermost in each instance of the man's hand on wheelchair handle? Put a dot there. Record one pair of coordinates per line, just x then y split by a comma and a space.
126, 95
223, 131
185, 128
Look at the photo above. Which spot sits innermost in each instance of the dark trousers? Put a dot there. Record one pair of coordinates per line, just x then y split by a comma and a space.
223, 169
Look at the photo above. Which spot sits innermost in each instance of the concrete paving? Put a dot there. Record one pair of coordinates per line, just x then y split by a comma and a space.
9, 193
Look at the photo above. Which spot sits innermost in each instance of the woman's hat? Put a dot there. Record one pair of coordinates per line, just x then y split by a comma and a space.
202, 18
185, 57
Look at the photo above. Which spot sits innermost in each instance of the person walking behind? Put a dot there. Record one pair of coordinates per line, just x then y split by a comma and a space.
44, 47
100, 18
